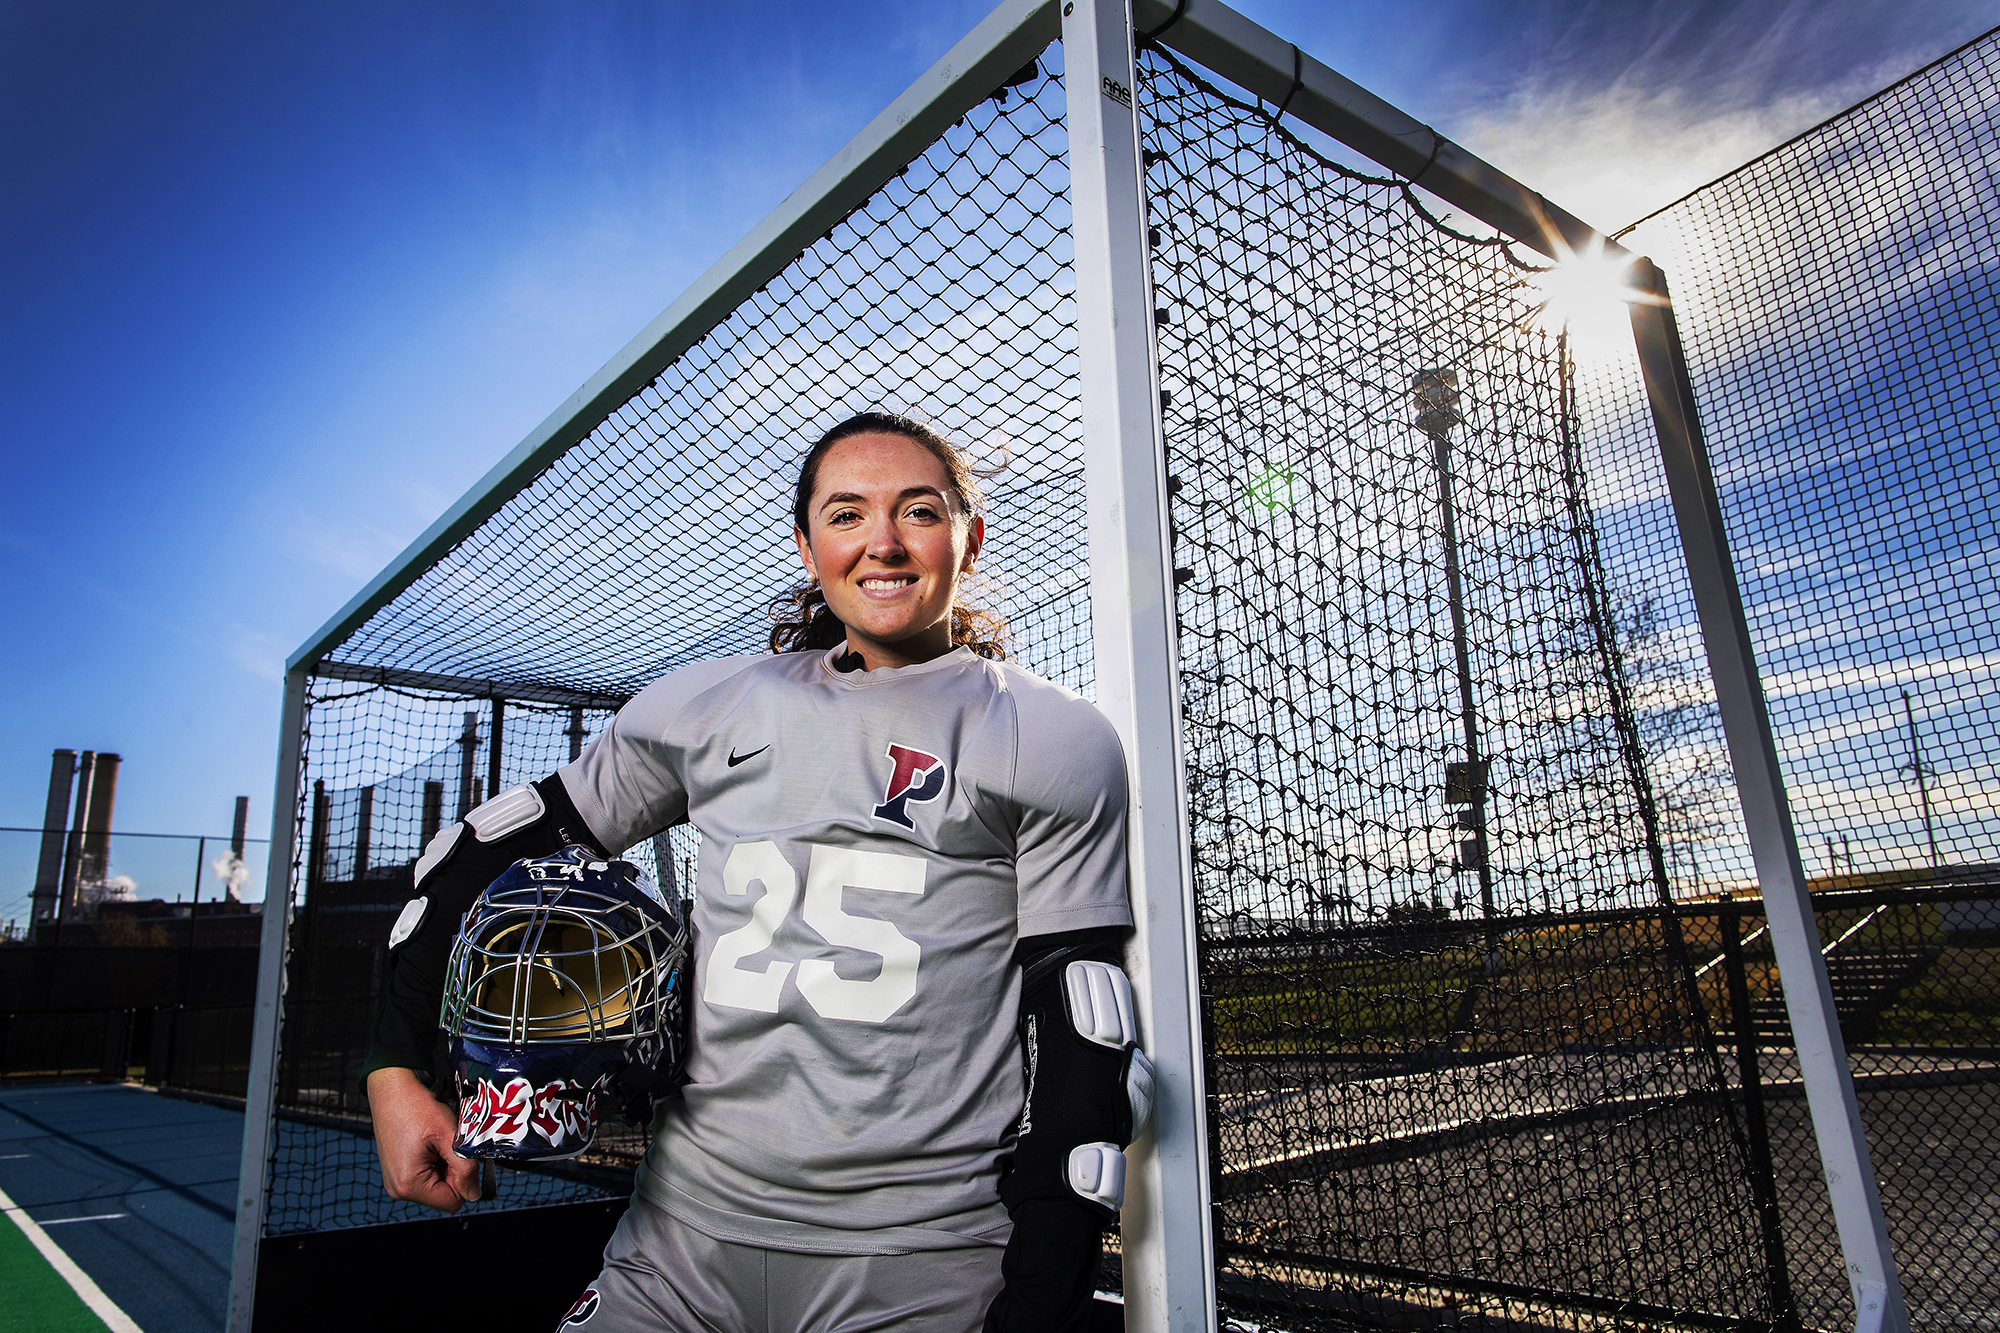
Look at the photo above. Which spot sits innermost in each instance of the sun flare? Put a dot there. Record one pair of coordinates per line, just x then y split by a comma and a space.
1587, 293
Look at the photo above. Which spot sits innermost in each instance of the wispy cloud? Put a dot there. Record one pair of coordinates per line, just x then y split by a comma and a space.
260, 654
1614, 115
356, 550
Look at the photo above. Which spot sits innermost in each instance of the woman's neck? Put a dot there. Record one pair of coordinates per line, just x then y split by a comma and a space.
926, 646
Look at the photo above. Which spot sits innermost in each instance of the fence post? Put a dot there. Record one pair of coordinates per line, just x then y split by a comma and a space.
1169, 1256
1763, 1176
259, 1107
1760, 785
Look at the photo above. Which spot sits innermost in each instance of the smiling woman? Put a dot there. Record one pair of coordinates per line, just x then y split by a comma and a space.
913, 1062
889, 520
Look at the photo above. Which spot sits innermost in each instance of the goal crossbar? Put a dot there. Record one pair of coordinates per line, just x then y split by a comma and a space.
1259, 61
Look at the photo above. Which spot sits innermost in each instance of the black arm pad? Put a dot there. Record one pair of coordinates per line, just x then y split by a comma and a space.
406, 1031
1051, 1265
1075, 1088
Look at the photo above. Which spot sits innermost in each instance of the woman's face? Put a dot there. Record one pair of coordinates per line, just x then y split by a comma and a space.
888, 543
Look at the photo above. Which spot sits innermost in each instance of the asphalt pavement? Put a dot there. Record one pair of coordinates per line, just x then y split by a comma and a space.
138, 1189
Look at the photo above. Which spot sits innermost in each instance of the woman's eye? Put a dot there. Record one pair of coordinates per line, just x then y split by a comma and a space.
923, 513
841, 518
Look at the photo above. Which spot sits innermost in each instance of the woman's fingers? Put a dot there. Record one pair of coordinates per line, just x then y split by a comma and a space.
413, 1133
462, 1173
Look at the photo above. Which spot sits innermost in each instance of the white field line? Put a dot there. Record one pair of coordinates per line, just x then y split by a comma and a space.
94, 1217
89, 1292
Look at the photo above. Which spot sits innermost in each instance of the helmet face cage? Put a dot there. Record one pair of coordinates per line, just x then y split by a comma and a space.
567, 973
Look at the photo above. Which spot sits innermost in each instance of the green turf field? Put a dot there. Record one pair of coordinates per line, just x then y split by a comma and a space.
33, 1294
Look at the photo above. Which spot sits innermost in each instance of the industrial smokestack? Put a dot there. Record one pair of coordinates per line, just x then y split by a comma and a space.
230, 869
433, 816
55, 822
364, 828
468, 749
97, 832
86, 765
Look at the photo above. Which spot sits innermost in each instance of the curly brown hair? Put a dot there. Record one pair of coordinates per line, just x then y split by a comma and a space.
803, 619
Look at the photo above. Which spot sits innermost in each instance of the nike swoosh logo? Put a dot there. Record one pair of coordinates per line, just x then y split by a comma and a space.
735, 758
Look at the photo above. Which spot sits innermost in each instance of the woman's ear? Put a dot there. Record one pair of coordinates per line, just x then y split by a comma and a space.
805, 553
975, 537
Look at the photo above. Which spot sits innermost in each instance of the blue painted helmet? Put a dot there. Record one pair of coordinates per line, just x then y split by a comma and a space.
564, 998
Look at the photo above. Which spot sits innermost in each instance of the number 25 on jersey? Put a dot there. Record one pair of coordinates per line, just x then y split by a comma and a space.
831, 872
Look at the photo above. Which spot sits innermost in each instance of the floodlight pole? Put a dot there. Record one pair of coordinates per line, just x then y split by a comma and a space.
1923, 780
1760, 785
1169, 1255
253, 1176
1435, 393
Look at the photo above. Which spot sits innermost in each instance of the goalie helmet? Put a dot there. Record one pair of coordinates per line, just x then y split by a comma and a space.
564, 996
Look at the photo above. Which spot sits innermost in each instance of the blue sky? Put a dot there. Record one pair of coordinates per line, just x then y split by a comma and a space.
283, 280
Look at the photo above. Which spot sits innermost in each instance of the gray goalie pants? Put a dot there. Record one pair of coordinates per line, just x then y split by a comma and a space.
662, 1276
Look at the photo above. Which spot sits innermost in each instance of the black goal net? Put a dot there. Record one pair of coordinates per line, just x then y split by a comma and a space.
945, 296
1458, 1055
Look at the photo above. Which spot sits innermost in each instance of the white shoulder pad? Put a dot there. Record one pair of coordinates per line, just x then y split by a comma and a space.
406, 924
435, 854
1097, 1172
1100, 1003
509, 812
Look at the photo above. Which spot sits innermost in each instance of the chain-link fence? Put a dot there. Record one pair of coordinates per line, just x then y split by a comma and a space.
1916, 981
149, 880
198, 1048
1838, 302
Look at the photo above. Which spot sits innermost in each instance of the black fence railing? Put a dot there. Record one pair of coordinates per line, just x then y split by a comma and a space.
1435, 1070
199, 1049
1915, 973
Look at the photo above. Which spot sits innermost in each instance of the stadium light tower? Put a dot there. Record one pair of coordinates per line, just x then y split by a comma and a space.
1434, 394
1916, 767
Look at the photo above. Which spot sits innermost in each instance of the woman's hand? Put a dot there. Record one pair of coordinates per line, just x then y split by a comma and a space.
413, 1133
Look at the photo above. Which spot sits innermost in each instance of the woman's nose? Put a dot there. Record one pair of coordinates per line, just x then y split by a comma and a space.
883, 541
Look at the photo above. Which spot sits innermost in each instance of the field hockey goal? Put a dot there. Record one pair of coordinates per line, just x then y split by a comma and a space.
1364, 553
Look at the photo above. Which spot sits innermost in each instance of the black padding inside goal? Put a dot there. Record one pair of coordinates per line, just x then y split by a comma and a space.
501, 1271
517, 1269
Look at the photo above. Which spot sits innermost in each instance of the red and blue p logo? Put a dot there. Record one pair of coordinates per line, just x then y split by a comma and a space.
918, 777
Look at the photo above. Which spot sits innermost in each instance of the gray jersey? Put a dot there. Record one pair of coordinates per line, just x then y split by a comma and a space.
873, 845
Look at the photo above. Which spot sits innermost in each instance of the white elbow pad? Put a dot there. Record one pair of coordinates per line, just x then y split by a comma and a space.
1100, 1003
509, 812
1097, 1173
1139, 1091
436, 852
408, 920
